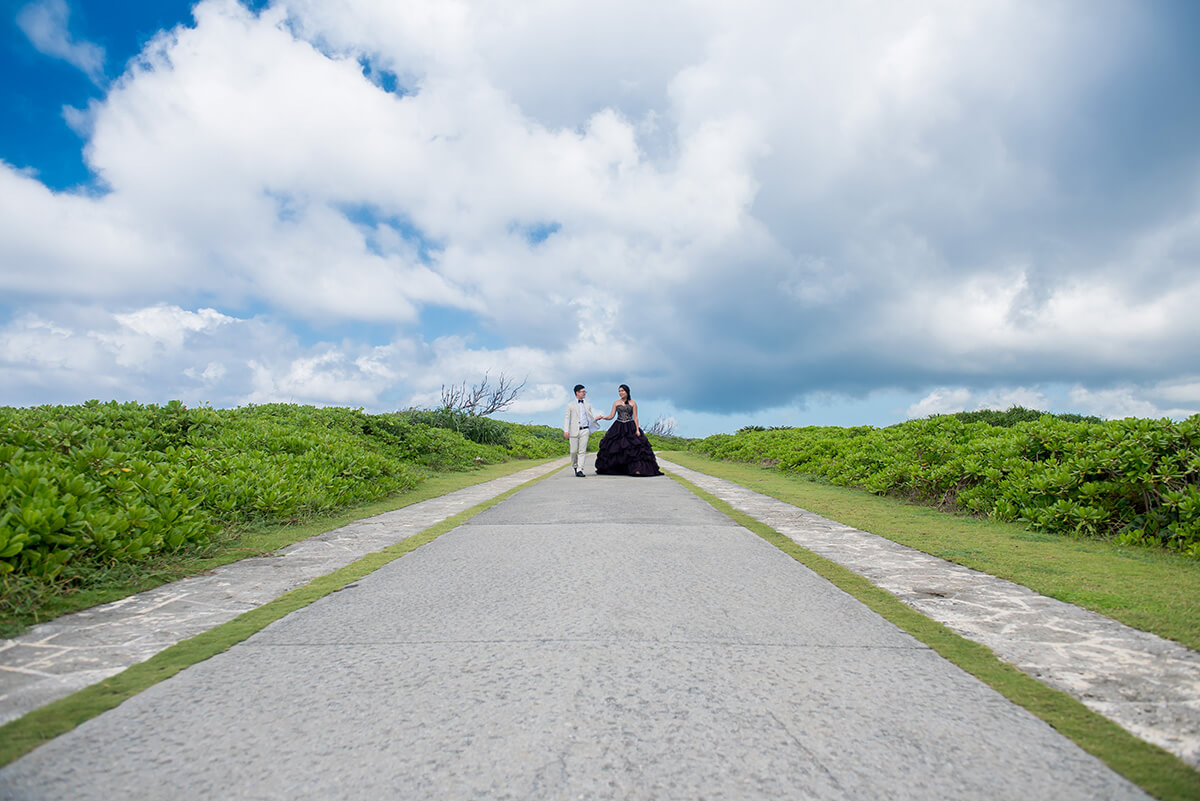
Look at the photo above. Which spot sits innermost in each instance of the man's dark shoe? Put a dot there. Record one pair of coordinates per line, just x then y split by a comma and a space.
579, 473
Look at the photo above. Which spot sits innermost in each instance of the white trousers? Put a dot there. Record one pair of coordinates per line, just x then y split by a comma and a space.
579, 441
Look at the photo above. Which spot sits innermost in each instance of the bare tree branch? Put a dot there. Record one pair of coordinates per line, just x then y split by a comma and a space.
481, 399
663, 427
503, 395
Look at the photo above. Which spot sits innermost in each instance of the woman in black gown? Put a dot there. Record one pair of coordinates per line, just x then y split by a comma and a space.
625, 451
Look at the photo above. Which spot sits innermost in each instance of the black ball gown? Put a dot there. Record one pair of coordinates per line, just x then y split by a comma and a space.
625, 452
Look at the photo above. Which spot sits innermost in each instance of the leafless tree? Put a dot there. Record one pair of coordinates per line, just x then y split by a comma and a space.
481, 399
663, 427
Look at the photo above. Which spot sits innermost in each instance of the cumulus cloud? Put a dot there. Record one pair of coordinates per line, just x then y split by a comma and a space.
1173, 398
946, 400
942, 400
1166, 399
162, 352
45, 23
84, 352
140, 334
731, 209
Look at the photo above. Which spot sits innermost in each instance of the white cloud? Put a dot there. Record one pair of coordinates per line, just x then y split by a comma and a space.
735, 208
538, 399
34, 342
947, 400
1006, 398
212, 373
1122, 402
942, 400
325, 378
1183, 391
141, 334
1175, 399
170, 324
45, 23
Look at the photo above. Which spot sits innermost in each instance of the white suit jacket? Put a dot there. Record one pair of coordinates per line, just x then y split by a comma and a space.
571, 418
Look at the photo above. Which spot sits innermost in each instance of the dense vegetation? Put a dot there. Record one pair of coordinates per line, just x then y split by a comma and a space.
1134, 480
1018, 414
526, 440
82, 486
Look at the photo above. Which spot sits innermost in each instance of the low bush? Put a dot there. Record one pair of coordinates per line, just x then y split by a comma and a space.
1017, 414
481, 430
667, 443
1135, 480
104, 483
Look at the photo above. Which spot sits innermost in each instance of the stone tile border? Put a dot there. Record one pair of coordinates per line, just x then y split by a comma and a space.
57, 658
1148, 685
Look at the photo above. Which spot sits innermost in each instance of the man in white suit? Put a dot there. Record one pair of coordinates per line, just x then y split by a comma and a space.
578, 422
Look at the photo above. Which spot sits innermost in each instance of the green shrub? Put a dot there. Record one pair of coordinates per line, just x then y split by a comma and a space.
482, 430
106, 483
1017, 414
661, 443
1134, 480
93, 484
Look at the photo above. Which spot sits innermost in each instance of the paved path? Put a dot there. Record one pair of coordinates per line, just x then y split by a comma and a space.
1146, 684
75, 651
596, 638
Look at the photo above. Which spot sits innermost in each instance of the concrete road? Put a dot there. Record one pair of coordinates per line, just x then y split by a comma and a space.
587, 638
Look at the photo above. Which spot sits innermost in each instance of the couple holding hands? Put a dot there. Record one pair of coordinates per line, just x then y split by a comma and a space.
624, 451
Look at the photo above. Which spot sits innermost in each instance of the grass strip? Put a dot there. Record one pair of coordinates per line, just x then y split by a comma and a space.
1155, 770
19, 612
26, 733
1148, 588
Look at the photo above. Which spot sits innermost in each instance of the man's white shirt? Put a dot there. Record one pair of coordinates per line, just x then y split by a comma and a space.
578, 414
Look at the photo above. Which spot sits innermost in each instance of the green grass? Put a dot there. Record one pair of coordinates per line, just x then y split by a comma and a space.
26, 602
1144, 587
21, 736
1155, 770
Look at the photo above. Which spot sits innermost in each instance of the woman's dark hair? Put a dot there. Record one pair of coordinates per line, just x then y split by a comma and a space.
628, 394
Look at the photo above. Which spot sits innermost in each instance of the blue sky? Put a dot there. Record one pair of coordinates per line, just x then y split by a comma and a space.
788, 213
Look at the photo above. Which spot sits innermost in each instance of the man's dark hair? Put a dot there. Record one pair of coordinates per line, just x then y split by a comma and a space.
578, 387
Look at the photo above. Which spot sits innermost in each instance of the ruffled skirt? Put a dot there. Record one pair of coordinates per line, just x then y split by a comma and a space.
624, 452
